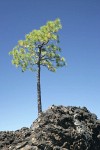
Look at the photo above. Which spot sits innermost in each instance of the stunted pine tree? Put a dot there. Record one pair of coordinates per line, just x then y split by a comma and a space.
40, 48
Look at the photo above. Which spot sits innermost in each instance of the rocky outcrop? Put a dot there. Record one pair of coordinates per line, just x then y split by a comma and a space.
58, 128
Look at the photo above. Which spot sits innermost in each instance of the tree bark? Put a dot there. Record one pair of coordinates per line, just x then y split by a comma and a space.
39, 85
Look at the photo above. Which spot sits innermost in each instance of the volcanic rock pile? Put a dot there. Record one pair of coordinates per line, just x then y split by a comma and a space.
59, 128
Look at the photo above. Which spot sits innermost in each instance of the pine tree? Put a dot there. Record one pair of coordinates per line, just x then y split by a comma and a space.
40, 48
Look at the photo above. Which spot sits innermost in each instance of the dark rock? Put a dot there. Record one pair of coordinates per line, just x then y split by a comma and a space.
59, 128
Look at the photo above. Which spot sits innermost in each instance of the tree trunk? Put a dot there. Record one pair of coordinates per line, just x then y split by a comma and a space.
39, 85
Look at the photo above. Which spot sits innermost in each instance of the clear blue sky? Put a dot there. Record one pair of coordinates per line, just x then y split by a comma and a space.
78, 84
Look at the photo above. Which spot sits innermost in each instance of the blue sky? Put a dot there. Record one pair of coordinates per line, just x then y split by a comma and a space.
78, 84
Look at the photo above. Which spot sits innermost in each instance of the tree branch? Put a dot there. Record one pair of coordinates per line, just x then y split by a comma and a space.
47, 58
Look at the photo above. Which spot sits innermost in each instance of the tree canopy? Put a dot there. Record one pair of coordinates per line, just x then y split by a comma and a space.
26, 52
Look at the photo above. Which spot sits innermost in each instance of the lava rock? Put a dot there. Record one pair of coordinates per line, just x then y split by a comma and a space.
58, 128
